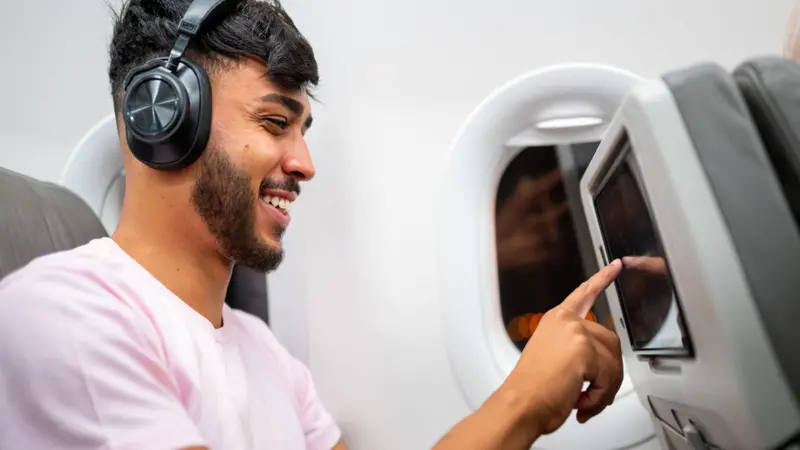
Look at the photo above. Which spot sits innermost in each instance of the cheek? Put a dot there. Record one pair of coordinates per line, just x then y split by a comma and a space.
259, 154
251, 147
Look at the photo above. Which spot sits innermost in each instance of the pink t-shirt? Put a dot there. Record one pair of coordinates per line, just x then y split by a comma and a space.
95, 353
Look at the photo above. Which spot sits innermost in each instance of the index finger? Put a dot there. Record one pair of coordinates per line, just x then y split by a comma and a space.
580, 301
652, 264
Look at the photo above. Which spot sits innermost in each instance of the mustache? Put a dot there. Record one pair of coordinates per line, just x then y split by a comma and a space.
287, 184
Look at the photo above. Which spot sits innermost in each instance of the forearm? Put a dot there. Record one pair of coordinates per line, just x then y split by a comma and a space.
504, 421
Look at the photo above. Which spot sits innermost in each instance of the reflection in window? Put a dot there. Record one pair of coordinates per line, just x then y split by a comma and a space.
542, 237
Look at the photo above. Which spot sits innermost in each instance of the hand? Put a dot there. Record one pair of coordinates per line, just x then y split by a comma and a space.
565, 351
650, 264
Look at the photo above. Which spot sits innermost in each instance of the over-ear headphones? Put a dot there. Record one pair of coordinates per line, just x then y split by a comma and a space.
167, 101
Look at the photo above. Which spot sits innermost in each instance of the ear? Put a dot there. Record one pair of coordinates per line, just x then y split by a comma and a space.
791, 45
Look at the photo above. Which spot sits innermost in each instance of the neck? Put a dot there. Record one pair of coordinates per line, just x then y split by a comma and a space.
170, 249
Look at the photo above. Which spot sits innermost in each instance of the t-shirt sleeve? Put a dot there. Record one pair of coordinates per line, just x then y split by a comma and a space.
321, 431
80, 369
319, 427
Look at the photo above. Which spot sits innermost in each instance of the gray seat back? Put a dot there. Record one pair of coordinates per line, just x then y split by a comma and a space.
37, 218
771, 88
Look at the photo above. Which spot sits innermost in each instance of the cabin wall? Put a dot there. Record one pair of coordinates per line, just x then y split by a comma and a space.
358, 296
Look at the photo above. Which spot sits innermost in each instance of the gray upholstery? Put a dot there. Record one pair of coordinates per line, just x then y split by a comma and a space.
728, 137
37, 218
771, 88
248, 291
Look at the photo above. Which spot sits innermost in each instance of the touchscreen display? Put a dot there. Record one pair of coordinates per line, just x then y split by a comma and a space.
645, 289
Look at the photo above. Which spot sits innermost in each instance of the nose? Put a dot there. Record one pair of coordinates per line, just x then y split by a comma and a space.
297, 161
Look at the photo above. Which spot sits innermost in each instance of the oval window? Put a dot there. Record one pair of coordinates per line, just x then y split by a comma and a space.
541, 236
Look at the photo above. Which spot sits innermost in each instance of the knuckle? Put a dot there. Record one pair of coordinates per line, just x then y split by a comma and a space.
581, 341
574, 327
559, 313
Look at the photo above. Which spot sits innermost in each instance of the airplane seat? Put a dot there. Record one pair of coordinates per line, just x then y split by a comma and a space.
687, 179
247, 291
771, 88
38, 218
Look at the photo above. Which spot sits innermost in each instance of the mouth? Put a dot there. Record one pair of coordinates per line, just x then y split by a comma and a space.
281, 204
278, 205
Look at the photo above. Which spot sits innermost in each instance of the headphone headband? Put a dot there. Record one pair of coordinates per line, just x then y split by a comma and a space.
199, 14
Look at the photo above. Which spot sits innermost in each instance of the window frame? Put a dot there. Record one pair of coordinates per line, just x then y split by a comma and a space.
480, 352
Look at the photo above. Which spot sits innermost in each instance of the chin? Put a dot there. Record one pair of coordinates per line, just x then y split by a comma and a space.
259, 251
271, 240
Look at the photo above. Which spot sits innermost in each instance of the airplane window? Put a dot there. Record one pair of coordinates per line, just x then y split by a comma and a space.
539, 254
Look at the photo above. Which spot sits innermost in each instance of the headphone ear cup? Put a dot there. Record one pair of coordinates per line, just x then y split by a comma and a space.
200, 108
167, 115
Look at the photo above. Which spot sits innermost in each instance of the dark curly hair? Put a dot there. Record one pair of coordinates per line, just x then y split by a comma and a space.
145, 29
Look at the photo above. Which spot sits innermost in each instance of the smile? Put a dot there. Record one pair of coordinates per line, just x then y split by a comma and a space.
282, 204
277, 205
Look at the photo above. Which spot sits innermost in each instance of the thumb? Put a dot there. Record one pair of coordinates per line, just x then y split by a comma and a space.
580, 301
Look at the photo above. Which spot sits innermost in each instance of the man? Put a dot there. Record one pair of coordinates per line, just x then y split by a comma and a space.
126, 342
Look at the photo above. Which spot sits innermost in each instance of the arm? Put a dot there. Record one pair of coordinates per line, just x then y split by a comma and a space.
504, 421
82, 370
540, 393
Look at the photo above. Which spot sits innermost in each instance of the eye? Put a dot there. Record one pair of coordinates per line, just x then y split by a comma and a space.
273, 121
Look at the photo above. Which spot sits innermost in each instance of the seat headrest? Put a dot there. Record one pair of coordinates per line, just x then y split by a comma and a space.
771, 88
37, 218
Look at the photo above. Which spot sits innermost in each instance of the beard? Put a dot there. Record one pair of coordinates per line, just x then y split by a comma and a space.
226, 202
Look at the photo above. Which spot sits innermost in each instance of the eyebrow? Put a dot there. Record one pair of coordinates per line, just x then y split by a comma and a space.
290, 104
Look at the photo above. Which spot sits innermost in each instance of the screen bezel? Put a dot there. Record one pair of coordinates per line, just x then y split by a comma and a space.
621, 153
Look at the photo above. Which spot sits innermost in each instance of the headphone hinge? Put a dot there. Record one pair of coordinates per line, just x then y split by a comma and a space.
177, 52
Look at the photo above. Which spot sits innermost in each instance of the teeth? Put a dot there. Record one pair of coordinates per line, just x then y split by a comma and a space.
278, 202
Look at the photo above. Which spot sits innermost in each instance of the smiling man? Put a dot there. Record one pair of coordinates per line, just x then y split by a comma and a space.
126, 342
133, 345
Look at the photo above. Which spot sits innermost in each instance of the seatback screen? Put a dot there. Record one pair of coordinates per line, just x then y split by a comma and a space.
645, 289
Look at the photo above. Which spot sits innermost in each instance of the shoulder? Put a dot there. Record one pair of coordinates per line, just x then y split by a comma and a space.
79, 264
86, 270
53, 275
66, 292
77, 352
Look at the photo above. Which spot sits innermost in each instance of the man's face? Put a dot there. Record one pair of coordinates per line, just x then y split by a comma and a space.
249, 175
